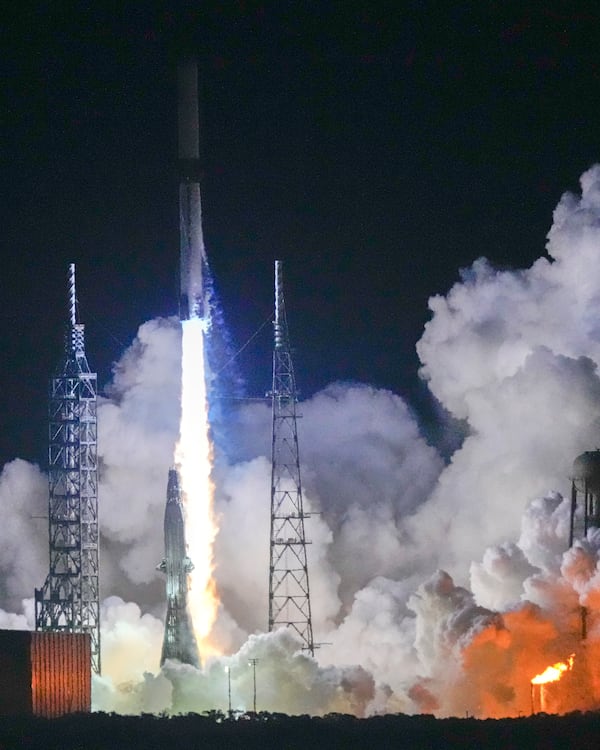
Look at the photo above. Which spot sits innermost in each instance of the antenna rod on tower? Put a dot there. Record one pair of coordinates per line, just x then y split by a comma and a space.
279, 317
289, 591
72, 295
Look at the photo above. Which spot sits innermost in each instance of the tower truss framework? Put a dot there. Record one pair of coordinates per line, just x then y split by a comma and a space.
69, 599
289, 590
585, 495
585, 511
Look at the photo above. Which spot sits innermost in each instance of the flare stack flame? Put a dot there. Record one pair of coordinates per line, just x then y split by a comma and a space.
554, 672
540, 684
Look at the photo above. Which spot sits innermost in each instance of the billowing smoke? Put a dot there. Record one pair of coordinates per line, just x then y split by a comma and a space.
435, 587
23, 503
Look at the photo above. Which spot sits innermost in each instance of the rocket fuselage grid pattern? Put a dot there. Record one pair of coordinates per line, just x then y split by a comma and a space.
69, 600
289, 591
179, 641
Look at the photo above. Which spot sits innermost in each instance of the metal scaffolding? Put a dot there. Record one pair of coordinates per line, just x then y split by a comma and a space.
69, 600
289, 591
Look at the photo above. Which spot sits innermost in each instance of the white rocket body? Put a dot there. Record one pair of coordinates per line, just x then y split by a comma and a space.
192, 252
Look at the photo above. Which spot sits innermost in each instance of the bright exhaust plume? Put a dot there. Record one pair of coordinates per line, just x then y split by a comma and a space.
193, 458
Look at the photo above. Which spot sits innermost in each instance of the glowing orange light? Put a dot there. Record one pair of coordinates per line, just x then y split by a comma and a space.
193, 457
554, 672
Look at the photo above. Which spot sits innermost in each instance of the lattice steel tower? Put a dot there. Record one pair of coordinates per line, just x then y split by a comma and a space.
289, 592
69, 600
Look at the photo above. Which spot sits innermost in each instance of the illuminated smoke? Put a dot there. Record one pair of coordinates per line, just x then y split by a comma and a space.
514, 354
193, 458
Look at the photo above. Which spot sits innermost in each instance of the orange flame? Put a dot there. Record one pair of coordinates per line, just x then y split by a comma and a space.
554, 672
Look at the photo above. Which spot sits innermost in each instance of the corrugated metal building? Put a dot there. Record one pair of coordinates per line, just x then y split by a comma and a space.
43, 673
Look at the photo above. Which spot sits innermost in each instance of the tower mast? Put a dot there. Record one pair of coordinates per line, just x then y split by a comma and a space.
69, 600
289, 591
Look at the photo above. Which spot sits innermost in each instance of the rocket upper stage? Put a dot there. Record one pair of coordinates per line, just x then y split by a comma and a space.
187, 109
192, 252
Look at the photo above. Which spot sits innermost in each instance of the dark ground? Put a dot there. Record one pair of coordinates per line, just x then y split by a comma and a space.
113, 732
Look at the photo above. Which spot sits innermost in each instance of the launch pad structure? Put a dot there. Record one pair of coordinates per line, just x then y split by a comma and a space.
289, 590
69, 600
585, 507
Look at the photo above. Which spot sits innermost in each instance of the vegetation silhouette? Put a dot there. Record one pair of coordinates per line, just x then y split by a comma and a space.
219, 731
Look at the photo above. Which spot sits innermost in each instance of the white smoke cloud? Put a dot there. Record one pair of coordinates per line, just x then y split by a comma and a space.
287, 681
242, 569
131, 641
24, 621
137, 429
497, 582
512, 353
23, 531
515, 354
365, 467
379, 634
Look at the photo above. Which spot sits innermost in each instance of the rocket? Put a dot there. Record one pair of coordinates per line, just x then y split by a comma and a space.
192, 300
179, 640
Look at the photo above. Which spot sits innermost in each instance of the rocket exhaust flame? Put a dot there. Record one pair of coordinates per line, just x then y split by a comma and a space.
193, 457
193, 453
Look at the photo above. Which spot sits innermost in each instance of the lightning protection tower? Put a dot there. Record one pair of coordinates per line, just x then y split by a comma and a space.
69, 600
289, 592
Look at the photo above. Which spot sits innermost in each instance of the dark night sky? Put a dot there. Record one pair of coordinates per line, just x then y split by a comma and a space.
374, 150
